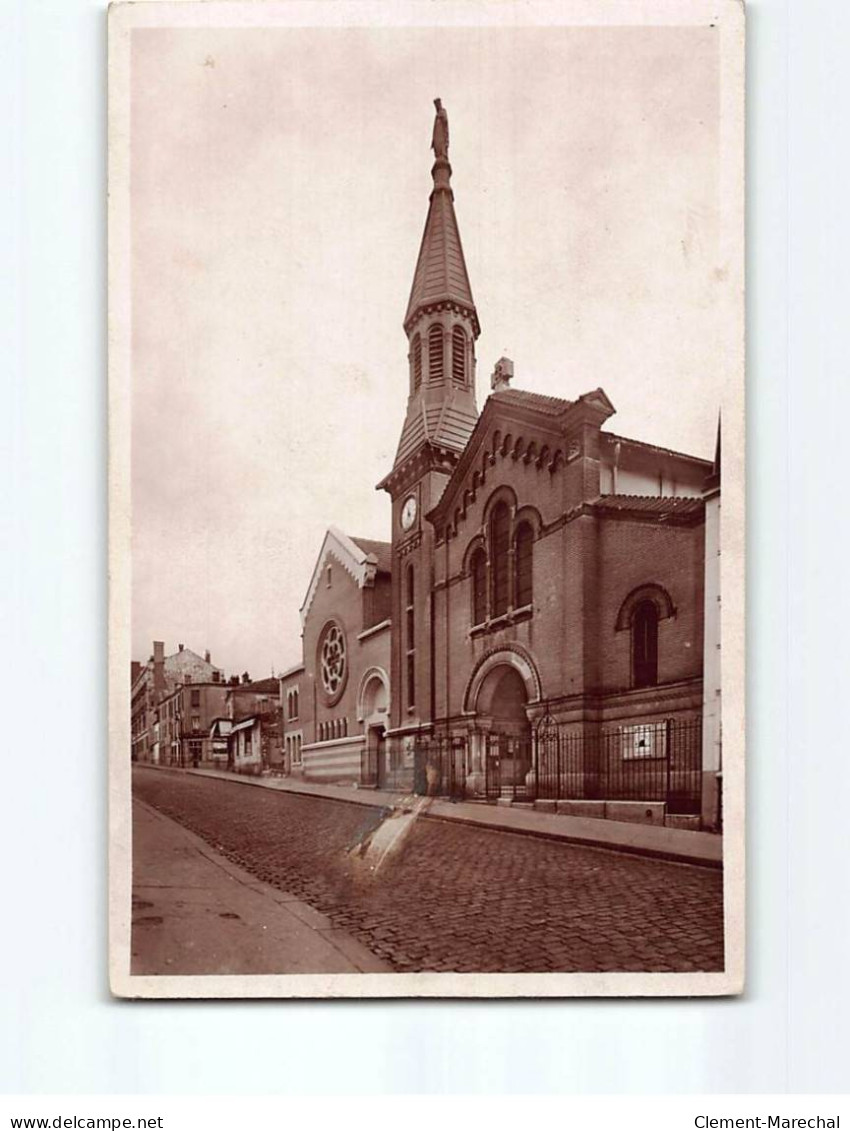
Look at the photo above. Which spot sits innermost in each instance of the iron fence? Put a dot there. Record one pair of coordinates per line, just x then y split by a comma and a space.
653, 761
440, 767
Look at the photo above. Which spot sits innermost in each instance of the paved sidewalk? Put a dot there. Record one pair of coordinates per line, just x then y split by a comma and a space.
643, 840
195, 912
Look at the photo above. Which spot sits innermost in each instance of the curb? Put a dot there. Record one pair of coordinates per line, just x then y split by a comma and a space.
582, 841
564, 837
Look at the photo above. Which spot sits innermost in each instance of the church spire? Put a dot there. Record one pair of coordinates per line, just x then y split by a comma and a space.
440, 275
441, 324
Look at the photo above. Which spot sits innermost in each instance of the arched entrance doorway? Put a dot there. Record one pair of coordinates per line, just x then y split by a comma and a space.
503, 721
372, 711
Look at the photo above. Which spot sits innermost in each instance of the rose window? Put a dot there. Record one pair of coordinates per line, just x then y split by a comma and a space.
332, 660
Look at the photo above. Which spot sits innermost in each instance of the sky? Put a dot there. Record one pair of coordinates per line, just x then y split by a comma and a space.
279, 188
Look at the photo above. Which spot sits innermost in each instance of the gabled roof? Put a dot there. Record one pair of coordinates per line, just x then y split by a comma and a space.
362, 564
381, 551
440, 274
182, 657
551, 406
546, 412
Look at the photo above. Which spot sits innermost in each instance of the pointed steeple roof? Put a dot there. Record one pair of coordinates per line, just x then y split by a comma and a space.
440, 275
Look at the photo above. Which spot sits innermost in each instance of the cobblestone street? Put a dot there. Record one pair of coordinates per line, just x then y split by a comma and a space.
456, 898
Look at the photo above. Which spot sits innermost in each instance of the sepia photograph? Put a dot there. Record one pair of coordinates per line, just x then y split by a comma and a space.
426, 500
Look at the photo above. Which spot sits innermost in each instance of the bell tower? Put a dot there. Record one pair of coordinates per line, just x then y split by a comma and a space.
441, 325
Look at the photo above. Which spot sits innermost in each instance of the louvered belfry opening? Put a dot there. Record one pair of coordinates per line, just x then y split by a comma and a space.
435, 355
458, 356
417, 362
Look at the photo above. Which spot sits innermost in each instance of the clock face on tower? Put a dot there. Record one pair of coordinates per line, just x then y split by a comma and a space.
408, 512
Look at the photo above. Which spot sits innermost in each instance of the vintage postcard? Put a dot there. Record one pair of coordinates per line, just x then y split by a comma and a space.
426, 498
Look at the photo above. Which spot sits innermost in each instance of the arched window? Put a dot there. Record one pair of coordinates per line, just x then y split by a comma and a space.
417, 362
459, 355
478, 570
500, 542
645, 644
435, 354
410, 637
524, 563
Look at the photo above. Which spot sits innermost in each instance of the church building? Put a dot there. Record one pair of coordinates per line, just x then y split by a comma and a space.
534, 630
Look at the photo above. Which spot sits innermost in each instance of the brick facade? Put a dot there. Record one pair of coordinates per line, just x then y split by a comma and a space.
540, 568
338, 708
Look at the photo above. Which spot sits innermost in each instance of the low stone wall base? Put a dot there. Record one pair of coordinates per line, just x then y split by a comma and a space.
582, 808
638, 812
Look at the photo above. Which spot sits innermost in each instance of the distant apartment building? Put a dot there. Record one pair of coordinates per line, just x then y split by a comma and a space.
183, 723
295, 713
154, 681
254, 740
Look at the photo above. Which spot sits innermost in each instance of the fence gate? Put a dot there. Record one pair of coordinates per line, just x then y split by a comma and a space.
507, 763
439, 767
492, 768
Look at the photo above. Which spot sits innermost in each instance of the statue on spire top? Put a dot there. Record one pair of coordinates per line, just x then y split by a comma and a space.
440, 136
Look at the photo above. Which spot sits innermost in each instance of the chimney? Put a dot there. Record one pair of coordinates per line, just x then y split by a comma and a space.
502, 375
158, 665
207, 655
179, 647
